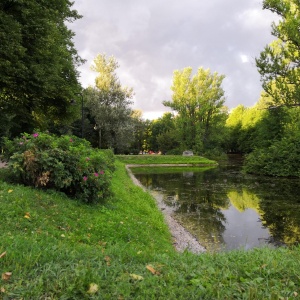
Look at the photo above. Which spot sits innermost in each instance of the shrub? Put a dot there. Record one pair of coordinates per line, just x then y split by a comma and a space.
174, 152
280, 159
65, 163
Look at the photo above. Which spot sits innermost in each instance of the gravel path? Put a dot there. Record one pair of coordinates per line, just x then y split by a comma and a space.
183, 239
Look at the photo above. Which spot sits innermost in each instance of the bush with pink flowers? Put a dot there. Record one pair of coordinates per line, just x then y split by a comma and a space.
66, 163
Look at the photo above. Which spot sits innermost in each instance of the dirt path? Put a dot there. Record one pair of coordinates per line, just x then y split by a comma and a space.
183, 240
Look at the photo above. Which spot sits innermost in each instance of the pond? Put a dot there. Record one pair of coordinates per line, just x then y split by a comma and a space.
226, 209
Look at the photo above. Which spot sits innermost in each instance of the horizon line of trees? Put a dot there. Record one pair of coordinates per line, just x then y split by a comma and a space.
39, 79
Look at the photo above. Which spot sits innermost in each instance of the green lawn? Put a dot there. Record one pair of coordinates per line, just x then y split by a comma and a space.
164, 159
53, 247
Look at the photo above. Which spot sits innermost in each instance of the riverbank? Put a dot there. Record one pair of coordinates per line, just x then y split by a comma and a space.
53, 247
166, 160
182, 238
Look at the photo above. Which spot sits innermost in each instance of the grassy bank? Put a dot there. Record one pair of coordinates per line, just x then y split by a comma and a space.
52, 247
165, 159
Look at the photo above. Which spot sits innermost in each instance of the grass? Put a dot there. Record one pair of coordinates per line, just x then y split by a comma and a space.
165, 159
157, 170
58, 248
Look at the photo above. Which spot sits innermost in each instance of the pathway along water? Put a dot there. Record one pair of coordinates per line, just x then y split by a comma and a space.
226, 209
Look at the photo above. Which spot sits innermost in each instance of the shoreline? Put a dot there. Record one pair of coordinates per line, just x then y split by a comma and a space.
182, 238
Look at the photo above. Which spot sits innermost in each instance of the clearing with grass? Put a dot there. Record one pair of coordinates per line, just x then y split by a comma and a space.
55, 247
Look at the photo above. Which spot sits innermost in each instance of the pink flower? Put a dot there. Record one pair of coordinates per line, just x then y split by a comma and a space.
21, 143
85, 178
96, 174
35, 135
87, 159
101, 172
71, 140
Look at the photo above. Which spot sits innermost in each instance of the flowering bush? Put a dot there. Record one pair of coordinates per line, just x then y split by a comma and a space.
65, 163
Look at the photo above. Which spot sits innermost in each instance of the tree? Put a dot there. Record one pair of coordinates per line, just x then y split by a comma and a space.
253, 127
139, 128
37, 62
109, 104
163, 137
279, 63
198, 100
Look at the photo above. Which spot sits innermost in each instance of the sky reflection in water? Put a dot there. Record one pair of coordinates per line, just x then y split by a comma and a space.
226, 209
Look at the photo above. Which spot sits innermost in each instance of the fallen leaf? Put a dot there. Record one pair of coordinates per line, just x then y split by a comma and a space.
2, 290
107, 259
263, 266
27, 215
3, 254
152, 270
62, 235
101, 243
6, 275
93, 289
136, 277
10, 191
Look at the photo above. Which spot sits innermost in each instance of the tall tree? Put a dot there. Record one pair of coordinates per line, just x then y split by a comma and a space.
198, 100
139, 129
279, 63
164, 135
109, 103
38, 62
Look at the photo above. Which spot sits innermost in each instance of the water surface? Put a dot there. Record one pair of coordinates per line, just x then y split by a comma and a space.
226, 209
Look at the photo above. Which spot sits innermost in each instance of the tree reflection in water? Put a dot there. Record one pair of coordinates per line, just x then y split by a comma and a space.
225, 209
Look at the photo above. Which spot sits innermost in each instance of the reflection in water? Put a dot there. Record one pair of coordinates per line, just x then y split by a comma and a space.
226, 209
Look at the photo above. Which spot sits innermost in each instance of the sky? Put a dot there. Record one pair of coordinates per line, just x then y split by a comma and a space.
150, 39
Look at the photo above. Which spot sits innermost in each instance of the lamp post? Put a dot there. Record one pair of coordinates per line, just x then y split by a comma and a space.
82, 119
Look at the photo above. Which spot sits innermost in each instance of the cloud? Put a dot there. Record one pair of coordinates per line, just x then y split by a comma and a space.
151, 39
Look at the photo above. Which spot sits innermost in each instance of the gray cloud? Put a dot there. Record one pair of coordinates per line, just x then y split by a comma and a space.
151, 39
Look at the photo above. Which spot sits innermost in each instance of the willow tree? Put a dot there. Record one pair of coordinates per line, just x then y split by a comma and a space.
199, 103
279, 63
109, 103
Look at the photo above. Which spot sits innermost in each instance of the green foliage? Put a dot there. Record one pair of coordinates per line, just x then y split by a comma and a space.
282, 158
164, 135
109, 105
278, 64
279, 159
272, 141
247, 128
38, 63
63, 163
138, 131
198, 100
62, 247
254, 127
